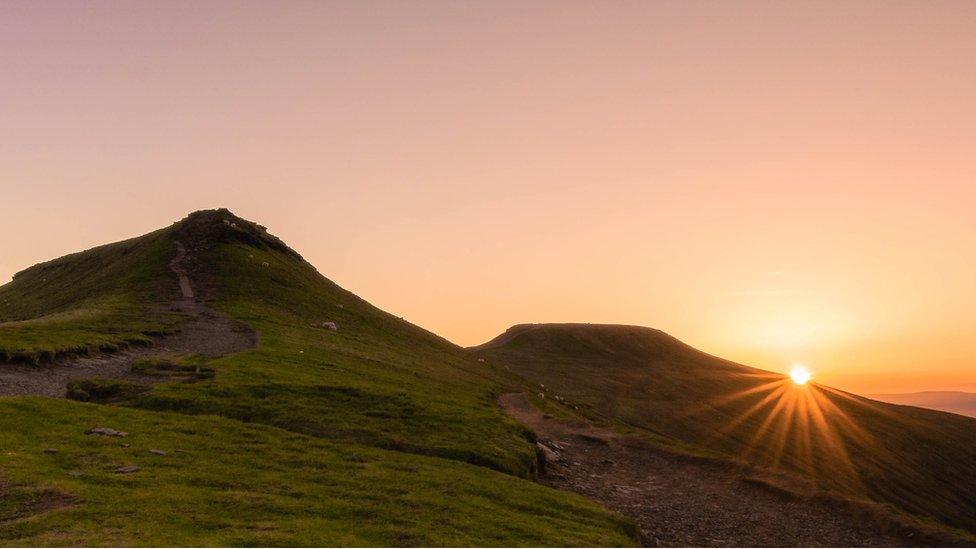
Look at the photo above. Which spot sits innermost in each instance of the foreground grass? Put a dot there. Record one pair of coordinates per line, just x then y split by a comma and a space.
222, 482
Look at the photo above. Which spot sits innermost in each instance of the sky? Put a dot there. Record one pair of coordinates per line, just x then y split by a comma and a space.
774, 183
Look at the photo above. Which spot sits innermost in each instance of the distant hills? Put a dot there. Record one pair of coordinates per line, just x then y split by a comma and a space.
957, 402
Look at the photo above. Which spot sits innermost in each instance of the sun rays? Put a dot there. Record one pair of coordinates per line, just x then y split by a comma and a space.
793, 423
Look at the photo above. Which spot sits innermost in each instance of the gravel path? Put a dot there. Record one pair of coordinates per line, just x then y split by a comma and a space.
206, 332
679, 500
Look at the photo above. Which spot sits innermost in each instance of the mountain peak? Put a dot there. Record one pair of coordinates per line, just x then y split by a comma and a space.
203, 229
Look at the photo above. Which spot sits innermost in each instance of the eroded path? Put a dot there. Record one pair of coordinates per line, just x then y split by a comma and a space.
176, 265
205, 332
679, 500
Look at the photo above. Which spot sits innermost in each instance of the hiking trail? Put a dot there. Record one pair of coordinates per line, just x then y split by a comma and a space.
684, 500
204, 332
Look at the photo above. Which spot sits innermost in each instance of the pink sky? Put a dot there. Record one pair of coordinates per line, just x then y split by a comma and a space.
775, 183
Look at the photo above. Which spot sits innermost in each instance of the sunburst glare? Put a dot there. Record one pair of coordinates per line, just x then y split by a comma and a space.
800, 375
790, 419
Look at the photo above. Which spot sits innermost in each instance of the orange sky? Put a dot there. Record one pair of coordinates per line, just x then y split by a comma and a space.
770, 182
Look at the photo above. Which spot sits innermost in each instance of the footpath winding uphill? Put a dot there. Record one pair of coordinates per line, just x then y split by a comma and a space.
204, 332
681, 500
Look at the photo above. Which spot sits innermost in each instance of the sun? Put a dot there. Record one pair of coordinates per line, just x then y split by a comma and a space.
800, 375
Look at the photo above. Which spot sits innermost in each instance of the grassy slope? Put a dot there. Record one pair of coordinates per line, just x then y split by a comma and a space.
226, 483
377, 380
99, 299
919, 460
378, 384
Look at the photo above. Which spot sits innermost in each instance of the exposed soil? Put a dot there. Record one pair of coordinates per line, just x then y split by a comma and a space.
682, 500
23, 503
205, 332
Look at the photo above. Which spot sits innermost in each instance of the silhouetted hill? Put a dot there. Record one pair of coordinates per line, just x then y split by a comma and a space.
921, 461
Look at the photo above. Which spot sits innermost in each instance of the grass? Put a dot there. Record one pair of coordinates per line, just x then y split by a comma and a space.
379, 433
189, 368
377, 380
222, 482
100, 300
103, 390
918, 460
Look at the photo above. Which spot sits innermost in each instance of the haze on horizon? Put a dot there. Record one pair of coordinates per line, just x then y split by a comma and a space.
774, 184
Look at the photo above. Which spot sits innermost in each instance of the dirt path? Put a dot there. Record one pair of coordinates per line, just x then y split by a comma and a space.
679, 500
176, 265
205, 332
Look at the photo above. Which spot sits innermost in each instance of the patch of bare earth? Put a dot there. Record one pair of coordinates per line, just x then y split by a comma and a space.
18, 503
204, 332
682, 500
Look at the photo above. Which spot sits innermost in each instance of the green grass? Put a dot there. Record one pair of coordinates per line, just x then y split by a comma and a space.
379, 433
99, 300
377, 380
222, 482
103, 390
192, 368
921, 461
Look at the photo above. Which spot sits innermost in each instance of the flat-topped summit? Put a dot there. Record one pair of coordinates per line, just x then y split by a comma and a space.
582, 339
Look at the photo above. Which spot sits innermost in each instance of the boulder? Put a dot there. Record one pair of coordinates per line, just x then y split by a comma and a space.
546, 454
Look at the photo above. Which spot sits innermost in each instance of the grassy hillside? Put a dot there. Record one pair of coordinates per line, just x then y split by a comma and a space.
378, 433
101, 299
377, 380
918, 460
205, 481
